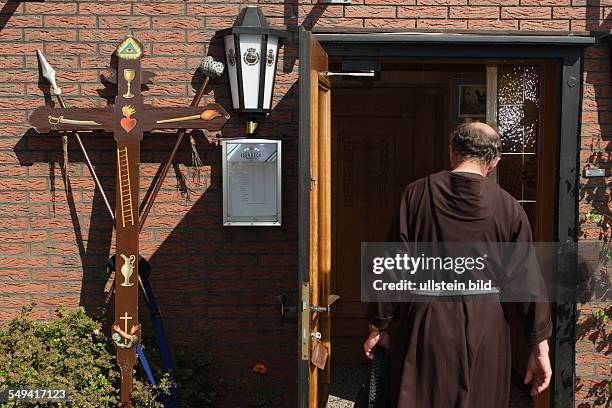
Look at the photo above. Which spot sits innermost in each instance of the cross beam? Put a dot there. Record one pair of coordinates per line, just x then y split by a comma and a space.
210, 117
128, 119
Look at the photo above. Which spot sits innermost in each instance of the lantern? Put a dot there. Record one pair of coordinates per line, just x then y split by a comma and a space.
251, 50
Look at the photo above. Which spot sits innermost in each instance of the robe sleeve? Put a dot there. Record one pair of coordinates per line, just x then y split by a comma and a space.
382, 314
535, 316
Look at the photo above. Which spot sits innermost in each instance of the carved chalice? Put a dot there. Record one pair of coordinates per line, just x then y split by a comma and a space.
129, 75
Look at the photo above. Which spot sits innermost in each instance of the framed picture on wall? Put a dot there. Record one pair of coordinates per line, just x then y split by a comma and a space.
468, 99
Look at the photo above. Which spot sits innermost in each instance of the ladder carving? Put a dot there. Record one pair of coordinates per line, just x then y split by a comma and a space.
125, 188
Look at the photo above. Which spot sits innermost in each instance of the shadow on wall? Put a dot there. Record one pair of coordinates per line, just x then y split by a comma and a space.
7, 11
224, 281
92, 234
293, 21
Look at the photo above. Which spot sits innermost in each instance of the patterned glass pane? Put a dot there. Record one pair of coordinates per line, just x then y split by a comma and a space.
510, 84
530, 132
518, 111
509, 119
532, 84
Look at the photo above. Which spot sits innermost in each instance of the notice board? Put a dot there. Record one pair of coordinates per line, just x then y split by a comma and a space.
251, 182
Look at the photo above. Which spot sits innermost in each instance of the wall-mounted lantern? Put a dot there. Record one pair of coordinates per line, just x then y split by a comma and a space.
251, 50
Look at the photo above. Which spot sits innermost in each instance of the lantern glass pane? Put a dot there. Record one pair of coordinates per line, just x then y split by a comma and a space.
271, 57
250, 58
230, 56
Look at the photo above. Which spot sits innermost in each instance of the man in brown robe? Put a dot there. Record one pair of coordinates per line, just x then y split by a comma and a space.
447, 354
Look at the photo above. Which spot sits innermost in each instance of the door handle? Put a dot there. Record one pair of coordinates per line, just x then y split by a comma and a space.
331, 299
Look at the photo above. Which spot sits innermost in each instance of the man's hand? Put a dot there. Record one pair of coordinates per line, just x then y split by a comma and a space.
375, 338
538, 368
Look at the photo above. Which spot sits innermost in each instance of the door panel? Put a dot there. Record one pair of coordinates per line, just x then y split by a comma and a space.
380, 144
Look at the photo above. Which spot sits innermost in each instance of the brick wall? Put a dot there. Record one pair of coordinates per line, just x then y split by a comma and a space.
53, 243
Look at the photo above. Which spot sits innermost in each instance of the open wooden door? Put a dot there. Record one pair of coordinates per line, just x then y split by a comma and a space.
315, 164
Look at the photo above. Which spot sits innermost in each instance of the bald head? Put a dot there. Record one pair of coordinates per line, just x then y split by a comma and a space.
475, 140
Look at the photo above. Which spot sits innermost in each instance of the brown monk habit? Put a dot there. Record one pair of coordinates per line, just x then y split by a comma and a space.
455, 354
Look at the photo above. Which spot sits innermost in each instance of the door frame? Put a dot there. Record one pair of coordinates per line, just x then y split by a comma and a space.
487, 46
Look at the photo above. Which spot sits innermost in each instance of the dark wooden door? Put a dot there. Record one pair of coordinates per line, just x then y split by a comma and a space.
382, 139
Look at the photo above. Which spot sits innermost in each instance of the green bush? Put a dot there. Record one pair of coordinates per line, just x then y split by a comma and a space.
68, 352
72, 352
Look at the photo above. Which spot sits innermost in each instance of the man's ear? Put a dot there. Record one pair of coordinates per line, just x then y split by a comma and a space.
493, 164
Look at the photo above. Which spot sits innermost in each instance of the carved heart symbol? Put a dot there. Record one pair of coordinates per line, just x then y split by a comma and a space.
128, 124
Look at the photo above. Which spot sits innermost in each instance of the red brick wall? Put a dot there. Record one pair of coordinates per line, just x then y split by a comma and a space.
53, 244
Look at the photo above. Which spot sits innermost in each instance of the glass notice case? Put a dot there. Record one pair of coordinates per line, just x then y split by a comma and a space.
251, 182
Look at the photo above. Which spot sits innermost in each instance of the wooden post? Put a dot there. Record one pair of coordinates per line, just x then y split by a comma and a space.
128, 134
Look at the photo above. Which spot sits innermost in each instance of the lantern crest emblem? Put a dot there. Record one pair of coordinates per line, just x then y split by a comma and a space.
270, 58
251, 56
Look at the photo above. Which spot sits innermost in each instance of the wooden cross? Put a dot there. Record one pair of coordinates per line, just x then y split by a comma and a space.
127, 319
128, 119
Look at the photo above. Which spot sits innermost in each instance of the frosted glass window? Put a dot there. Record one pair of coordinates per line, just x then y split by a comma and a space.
518, 111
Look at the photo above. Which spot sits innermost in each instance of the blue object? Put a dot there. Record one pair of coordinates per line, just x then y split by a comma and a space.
145, 364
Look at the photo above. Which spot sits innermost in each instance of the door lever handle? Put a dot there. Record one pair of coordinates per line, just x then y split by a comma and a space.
331, 299
319, 309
